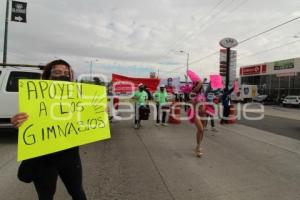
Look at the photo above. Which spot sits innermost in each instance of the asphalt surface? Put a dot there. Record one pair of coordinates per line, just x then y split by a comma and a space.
158, 163
277, 125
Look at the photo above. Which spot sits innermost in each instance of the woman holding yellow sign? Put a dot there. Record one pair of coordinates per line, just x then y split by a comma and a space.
43, 171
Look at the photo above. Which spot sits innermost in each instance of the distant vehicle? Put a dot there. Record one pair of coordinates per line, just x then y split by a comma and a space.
260, 98
9, 77
264, 99
291, 100
246, 93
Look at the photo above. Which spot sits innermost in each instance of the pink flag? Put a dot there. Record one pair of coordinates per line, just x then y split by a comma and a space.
193, 76
216, 82
236, 86
187, 88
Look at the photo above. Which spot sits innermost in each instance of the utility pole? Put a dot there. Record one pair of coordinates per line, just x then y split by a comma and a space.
91, 66
5, 33
227, 67
187, 65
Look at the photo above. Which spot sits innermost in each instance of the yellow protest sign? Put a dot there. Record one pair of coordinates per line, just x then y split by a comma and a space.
61, 115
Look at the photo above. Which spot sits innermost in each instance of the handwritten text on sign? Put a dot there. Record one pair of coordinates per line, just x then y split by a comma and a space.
61, 115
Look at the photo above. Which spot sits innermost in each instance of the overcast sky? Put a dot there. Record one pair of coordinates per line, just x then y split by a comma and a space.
134, 37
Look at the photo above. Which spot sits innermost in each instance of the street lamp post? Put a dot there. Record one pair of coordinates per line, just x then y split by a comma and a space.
91, 68
187, 65
5, 34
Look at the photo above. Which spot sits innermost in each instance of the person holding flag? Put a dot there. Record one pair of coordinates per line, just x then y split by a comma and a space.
196, 113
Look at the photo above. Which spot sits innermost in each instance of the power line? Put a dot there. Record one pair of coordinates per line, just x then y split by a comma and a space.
268, 30
205, 57
207, 19
224, 16
177, 68
186, 35
249, 38
231, 11
273, 48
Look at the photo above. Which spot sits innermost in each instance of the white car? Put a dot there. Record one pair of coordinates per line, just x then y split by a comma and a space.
9, 77
291, 100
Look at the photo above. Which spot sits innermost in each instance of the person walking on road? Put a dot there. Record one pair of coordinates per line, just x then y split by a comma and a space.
140, 97
43, 171
160, 98
197, 114
226, 104
210, 108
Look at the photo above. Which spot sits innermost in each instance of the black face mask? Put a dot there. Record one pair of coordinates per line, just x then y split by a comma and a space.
61, 78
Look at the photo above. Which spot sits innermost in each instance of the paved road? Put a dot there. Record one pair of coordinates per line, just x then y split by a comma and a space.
157, 163
278, 125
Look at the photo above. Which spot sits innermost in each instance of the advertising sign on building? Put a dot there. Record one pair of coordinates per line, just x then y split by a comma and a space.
253, 70
284, 64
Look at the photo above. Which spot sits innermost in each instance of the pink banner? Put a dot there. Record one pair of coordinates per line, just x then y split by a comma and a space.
216, 82
236, 86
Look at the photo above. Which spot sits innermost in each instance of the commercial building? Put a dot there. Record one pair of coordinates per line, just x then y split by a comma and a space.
276, 79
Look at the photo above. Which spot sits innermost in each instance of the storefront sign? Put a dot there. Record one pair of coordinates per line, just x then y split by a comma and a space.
284, 64
228, 42
286, 74
256, 69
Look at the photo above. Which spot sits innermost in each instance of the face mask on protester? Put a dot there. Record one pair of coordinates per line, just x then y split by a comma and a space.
61, 78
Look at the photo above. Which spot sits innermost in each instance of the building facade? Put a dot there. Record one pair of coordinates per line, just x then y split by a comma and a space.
276, 79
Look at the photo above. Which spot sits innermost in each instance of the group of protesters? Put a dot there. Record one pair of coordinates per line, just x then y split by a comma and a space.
43, 171
200, 103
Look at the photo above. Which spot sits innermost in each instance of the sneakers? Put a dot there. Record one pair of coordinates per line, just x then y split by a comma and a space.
164, 124
137, 126
214, 129
157, 124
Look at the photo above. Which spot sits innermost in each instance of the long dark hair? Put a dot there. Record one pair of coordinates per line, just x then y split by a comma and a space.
47, 70
194, 87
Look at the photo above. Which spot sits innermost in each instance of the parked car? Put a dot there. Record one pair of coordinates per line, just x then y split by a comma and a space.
9, 77
264, 99
291, 100
260, 98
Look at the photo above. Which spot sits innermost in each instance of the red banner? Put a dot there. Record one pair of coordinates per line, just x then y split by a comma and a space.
124, 84
256, 69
